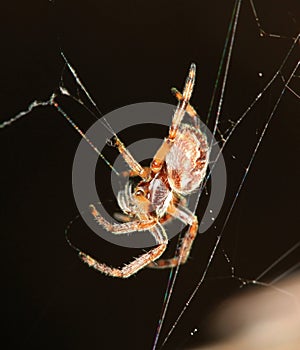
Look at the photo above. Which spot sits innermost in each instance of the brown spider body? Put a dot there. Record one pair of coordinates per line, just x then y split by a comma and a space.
187, 160
177, 169
183, 171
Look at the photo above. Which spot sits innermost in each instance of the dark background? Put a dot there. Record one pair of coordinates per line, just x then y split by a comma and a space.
128, 52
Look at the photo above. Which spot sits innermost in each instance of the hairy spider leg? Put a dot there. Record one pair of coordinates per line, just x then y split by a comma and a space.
182, 106
133, 173
188, 218
189, 109
128, 270
122, 217
184, 102
136, 167
131, 226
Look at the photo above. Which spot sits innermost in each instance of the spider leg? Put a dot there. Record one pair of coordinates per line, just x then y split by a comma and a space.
184, 102
187, 217
135, 167
133, 173
131, 226
135, 265
189, 109
183, 105
122, 217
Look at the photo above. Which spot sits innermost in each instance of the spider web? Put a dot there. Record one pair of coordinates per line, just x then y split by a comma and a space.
281, 83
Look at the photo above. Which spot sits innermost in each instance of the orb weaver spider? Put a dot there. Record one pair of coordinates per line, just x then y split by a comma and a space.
177, 169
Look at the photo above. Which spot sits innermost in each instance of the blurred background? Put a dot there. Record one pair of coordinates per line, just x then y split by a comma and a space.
129, 52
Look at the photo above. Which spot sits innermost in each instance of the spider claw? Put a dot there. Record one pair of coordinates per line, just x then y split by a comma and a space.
193, 66
174, 90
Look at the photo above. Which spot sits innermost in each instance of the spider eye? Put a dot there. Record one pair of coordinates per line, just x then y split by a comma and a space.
139, 193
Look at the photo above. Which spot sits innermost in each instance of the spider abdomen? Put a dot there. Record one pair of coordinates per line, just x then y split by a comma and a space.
187, 160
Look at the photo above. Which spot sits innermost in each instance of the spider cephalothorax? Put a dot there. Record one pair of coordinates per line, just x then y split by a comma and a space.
150, 197
177, 169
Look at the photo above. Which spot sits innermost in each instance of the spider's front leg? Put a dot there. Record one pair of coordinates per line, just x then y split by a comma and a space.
187, 217
143, 260
126, 227
136, 168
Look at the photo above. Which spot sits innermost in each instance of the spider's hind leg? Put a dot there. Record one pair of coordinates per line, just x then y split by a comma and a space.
182, 106
183, 102
187, 217
189, 108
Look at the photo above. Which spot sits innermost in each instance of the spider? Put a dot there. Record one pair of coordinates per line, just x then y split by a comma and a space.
177, 169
